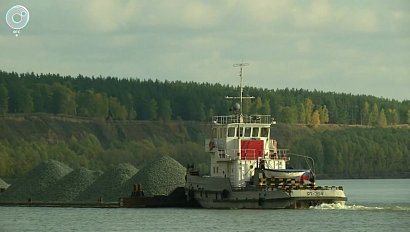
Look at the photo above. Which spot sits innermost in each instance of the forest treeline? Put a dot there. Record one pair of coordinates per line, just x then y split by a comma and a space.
96, 123
135, 99
352, 152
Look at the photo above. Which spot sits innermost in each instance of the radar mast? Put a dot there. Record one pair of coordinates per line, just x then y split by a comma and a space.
241, 97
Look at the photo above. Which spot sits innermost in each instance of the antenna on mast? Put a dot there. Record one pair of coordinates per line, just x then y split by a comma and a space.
241, 97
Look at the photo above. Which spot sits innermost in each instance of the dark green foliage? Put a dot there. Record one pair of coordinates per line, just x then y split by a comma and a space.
350, 152
356, 152
154, 100
4, 99
103, 137
3, 184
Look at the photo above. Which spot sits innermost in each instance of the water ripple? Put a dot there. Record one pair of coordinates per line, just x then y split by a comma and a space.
359, 207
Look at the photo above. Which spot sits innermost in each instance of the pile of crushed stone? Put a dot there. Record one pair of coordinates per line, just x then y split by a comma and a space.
55, 181
71, 185
35, 183
108, 186
160, 177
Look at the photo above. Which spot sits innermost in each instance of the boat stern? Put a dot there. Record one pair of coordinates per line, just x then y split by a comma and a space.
305, 198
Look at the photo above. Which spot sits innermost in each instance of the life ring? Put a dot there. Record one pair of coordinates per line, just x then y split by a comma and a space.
211, 145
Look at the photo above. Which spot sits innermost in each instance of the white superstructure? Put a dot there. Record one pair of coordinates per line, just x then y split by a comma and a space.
237, 145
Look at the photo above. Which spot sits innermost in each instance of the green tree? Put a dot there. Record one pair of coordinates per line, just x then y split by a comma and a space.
266, 107
200, 113
308, 110
42, 98
374, 115
24, 101
301, 113
288, 115
92, 104
210, 113
257, 106
392, 116
324, 114
62, 100
116, 110
132, 114
366, 113
152, 110
165, 110
4, 99
382, 121
408, 116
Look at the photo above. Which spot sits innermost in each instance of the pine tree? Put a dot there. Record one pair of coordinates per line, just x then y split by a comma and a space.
165, 110
374, 115
257, 106
324, 114
382, 121
4, 98
288, 115
392, 116
301, 114
408, 116
366, 114
266, 107
152, 110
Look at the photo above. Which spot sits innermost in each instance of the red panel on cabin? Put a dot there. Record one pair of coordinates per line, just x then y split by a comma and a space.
251, 149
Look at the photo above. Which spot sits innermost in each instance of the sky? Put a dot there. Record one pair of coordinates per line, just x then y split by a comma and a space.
349, 46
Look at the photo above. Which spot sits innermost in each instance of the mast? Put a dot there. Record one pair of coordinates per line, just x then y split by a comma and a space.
241, 97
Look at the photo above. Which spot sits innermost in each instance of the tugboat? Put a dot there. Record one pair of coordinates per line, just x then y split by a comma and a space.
248, 171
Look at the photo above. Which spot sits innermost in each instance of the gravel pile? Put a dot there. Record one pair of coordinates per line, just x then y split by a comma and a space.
108, 186
35, 182
71, 185
160, 177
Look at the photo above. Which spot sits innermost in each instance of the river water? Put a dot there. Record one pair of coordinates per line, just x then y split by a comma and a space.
373, 205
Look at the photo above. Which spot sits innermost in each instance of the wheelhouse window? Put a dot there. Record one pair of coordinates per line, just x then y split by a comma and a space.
239, 132
248, 131
255, 132
231, 131
264, 132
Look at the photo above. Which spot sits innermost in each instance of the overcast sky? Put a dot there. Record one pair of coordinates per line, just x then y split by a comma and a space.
349, 46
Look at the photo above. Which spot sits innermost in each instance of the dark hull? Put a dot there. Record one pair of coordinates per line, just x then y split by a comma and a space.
176, 198
217, 193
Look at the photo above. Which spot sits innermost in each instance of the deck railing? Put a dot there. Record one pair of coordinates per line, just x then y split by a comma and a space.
227, 119
233, 154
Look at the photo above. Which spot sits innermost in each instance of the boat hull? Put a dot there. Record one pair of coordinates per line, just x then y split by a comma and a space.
217, 193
